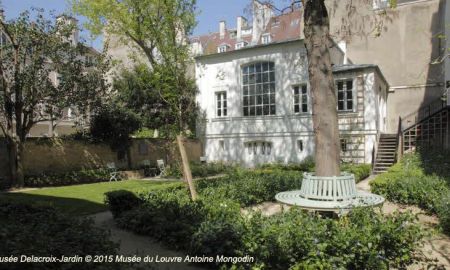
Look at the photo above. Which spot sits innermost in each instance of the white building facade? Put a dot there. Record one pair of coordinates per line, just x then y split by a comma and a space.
256, 105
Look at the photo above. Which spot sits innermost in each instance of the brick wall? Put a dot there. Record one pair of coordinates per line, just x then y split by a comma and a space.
56, 155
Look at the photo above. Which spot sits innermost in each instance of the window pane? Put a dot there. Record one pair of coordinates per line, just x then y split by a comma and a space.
340, 105
272, 76
219, 112
258, 67
266, 110
252, 78
245, 90
224, 112
252, 90
245, 111
259, 110
296, 99
349, 85
259, 100
304, 89
252, 110
265, 66
245, 101
259, 89
265, 77
296, 108
251, 100
271, 66
251, 69
272, 110
245, 79
296, 90
258, 78
349, 95
349, 105
304, 108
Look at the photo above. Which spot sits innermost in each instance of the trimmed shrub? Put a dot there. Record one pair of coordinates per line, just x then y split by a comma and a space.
408, 182
84, 176
361, 171
39, 231
120, 201
200, 169
214, 225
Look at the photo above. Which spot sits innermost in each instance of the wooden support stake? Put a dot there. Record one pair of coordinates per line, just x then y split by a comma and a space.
187, 175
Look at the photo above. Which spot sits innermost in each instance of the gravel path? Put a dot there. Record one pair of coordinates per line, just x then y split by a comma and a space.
133, 244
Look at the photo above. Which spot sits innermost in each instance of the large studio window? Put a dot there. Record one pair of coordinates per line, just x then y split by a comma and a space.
258, 87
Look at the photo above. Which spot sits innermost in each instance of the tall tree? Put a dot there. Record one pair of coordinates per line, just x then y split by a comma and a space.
35, 53
158, 29
324, 107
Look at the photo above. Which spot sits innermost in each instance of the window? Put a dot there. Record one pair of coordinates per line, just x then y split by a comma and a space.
266, 39
222, 48
221, 104
240, 45
258, 87
343, 145
301, 98
300, 145
345, 95
221, 145
265, 148
378, 4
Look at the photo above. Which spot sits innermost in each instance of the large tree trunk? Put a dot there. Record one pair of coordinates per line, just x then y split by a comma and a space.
325, 121
15, 155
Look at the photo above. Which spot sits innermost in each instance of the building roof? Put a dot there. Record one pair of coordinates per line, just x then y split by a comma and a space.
355, 67
281, 28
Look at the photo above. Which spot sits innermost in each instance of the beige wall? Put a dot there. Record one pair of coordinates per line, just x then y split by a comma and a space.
404, 50
56, 155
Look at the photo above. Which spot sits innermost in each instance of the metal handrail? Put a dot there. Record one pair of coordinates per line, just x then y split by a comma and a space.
424, 112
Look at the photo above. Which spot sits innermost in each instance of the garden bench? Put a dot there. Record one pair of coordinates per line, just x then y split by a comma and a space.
329, 194
114, 174
161, 167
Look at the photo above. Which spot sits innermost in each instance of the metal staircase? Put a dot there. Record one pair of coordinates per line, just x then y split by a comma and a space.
386, 153
429, 126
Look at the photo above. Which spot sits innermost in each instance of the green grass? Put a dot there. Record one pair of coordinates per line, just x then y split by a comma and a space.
80, 199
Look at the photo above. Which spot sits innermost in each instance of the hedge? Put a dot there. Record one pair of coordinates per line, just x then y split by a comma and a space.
42, 231
420, 179
84, 176
214, 225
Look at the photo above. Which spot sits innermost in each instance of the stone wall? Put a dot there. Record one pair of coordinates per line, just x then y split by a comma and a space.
58, 156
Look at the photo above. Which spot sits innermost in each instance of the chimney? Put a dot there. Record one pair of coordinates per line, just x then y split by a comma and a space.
222, 29
241, 23
73, 23
262, 13
2, 14
343, 46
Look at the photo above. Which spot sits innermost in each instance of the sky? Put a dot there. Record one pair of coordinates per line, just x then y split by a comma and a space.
209, 13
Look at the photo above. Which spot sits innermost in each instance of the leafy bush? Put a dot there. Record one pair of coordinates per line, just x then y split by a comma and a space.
361, 171
200, 169
408, 182
250, 187
70, 178
363, 240
120, 201
39, 231
215, 225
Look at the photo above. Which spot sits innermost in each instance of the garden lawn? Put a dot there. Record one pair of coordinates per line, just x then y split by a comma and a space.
81, 199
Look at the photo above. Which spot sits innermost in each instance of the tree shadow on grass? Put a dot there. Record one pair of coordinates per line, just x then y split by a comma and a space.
69, 206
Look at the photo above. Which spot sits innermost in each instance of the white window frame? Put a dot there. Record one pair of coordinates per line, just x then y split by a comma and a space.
221, 104
240, 45
345, 93
300, 104
380, 4
222, 48
266, 38
258, 82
